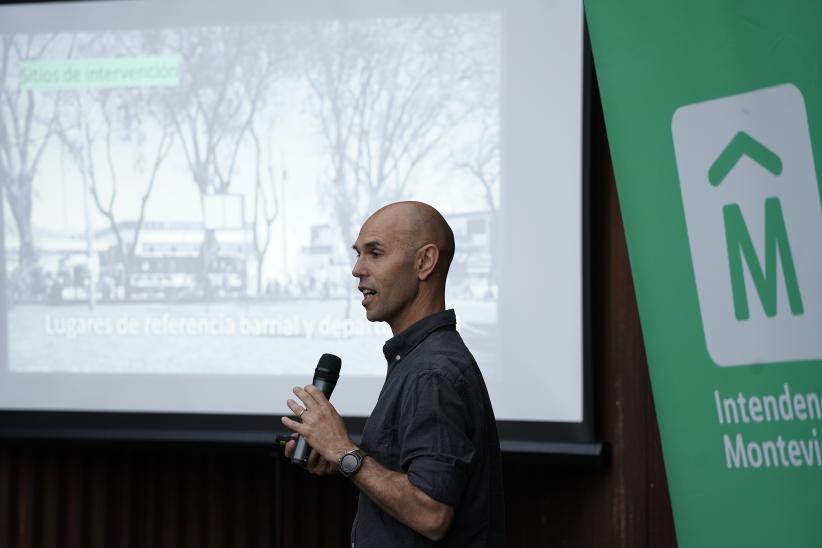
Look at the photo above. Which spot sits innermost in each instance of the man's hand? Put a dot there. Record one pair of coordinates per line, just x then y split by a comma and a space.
316, 464
322, 427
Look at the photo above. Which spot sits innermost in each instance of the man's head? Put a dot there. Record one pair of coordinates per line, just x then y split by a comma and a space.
403, 254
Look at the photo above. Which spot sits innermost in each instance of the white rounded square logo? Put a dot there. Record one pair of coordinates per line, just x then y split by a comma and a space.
754, 218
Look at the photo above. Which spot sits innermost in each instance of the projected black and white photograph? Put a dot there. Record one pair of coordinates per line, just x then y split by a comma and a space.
181, 184
184, 199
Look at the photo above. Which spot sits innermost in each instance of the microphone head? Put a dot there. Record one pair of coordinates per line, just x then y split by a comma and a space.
328, 368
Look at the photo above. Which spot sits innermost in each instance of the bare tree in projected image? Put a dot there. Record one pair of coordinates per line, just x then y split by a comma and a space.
385, 93
266, 206
28, 121
103, 120
227, 76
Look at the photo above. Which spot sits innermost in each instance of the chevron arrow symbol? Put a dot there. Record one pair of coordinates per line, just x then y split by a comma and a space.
743, 145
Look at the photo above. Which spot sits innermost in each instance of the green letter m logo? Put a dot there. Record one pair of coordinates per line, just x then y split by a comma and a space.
741, 247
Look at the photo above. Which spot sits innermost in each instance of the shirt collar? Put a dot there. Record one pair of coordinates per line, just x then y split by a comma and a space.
398, 346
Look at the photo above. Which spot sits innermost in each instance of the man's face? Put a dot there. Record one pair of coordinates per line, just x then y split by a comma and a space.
385, 268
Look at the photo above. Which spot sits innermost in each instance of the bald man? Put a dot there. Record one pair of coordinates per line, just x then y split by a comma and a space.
428, 466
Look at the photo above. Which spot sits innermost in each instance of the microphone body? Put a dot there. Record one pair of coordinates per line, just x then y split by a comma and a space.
325, 378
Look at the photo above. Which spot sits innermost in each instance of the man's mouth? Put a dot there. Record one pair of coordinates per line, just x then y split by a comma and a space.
368, 294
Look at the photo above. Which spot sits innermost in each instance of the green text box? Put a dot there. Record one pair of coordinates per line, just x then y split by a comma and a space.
120, 72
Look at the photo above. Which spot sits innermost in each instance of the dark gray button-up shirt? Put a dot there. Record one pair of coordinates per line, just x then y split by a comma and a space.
433, 421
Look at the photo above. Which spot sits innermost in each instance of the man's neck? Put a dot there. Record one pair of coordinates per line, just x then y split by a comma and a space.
416, 311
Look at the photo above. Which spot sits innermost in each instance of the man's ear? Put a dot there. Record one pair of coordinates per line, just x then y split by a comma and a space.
426, 260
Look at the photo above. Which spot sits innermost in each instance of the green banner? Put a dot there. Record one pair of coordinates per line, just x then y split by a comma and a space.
714, 117
115, 72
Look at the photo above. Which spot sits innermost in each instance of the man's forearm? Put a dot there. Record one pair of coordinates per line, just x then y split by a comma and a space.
394, 493
323, 428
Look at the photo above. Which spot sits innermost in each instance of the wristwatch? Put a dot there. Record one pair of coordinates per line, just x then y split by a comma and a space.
351, 462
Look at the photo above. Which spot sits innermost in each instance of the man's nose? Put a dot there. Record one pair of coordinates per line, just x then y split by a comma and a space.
357, 271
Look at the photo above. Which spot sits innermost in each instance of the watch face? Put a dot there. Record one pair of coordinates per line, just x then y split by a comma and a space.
349, 463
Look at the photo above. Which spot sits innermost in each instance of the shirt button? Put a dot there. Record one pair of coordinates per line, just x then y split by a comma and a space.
397, 357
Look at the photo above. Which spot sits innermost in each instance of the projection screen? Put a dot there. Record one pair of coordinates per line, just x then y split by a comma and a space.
182, 182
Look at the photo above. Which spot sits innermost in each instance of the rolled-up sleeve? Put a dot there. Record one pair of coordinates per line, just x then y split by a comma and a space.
435, 441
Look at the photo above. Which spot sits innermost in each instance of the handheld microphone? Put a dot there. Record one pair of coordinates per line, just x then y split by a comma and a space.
325, 378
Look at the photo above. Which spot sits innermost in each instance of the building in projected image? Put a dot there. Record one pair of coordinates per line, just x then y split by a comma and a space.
178, 260
472, 273
171, 261
324, 271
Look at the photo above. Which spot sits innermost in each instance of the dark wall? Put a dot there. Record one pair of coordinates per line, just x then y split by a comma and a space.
153, 495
